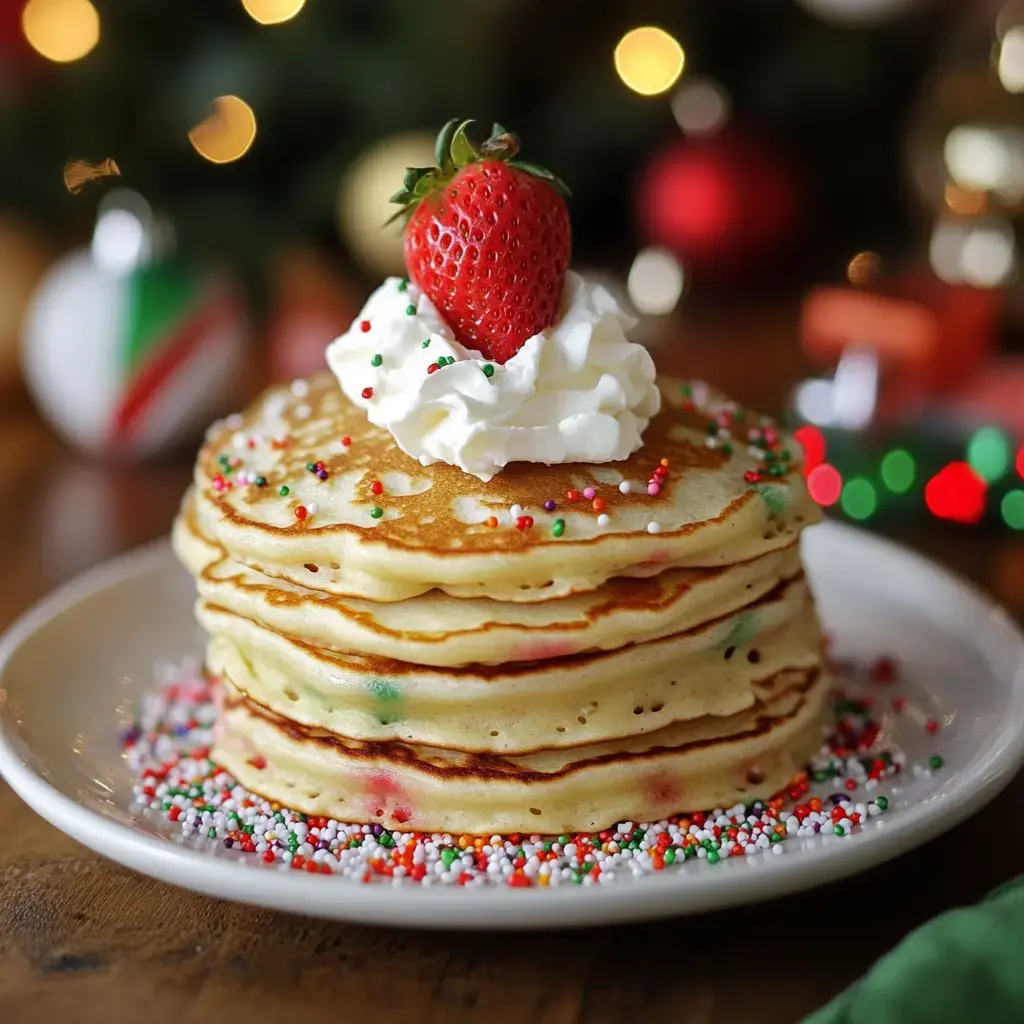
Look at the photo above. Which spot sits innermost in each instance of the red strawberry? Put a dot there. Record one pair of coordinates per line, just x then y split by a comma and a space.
487, 239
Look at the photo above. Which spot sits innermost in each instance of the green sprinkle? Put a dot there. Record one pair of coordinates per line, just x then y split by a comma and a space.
577, 878
386, 840
775, 838
426, 344
310, 467
261, 481
377, 359
285, 491
712, 857
935, 762
447, 856
838, 830
376, 511
563, 840
547, 847
727, 449
402, 285
212, 834
882, 802
488, 370
712, 429
670, 856
558, 527
410, 310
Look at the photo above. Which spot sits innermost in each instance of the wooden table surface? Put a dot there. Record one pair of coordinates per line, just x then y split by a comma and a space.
83, 940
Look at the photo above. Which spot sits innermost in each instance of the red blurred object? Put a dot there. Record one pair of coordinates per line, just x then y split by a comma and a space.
721, 204
825, 484
313, 306
15, 51
930, 338
812, 441
956, 493
1020, 462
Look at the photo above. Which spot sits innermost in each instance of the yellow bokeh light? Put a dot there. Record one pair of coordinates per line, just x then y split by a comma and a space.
273, 12
227, 133
61, 30
649, 60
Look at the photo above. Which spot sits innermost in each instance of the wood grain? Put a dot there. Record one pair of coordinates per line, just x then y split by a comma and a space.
83, 940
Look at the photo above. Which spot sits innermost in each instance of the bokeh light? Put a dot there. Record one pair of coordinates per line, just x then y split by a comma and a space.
825, 484
956, 493
228, 133
700, 107
649, 60
1020, 462
61, 30
365, 193
273, 12
898, 471
988, 453
859, 498
812, 442
863, 268
1011, 60
1012, 509
655, 282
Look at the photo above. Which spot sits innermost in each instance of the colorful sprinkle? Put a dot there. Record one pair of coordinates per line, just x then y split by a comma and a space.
364, 326
488, 370
598, 505
558, 527
589, 492
654, 527
625, 487
168, 752
284, 490
550, 505
492, 521
654, 489
403, 284
603, 520
426, 344
377, 487
410, 310
376, 511
572, 494
377, 359
301, 512
346, 441
524, 522
432, 368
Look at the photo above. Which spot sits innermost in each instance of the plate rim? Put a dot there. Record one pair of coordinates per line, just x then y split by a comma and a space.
501, 908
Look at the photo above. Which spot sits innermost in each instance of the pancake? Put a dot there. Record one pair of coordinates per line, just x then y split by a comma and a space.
436, 629
710, 762
432, 530
714, 669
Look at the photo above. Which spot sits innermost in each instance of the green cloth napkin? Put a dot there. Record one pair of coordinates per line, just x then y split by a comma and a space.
965, 965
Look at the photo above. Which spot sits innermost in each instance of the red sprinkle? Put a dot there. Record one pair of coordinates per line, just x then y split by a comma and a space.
751, 476
367, 393
524, 522
432, 368
364, 326
300, 512
377, 487
660, 471
931, 726
884, 670
599, 504
573, 494
346, 440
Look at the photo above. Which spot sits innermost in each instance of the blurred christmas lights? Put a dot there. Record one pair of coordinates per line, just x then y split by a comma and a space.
649, 60
898, 470
863, 268
1011, 60
61, 30
859, 498
1012, 509
228, 133
812, 441
273, 12
655, 282
956, 493
988, 454
700, 107
825, 484
1020, 462
364, 198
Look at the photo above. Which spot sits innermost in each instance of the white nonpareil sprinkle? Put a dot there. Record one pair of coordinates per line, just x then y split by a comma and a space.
312, 508
603, 520
515, 511
654, 527
300, 388
625, 487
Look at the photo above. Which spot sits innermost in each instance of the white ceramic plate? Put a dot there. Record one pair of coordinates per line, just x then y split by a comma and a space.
70, 669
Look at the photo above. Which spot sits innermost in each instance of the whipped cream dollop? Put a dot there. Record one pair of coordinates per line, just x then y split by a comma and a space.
579, 391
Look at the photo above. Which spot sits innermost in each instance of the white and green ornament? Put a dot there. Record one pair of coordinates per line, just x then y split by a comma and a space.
126, 356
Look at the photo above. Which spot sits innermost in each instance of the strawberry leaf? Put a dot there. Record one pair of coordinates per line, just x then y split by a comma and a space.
544, 174
443, 146
413, 176
463, 151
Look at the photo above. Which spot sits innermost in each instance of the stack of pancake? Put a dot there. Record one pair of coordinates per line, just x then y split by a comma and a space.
559, 649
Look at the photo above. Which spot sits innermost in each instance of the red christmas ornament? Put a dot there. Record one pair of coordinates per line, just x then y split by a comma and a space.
721, 204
